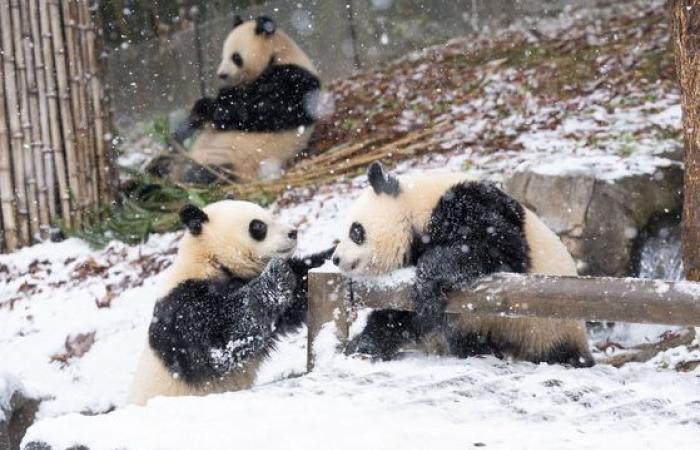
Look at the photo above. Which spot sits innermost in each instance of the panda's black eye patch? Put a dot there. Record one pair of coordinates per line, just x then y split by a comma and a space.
357, 233
237, 59
257, 229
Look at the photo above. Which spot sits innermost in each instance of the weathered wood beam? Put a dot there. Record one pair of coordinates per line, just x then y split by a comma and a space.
332, 296
585, 298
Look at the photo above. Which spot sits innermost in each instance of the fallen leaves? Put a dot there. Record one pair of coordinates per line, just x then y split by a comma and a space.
75, 347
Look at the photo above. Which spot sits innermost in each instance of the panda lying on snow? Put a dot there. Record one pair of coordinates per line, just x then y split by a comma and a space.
224, 305
454, 231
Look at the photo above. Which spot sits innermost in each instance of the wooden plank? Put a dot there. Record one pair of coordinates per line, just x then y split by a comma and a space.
329, 293
583, 298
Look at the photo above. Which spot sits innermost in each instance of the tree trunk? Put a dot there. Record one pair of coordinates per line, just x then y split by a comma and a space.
685, 24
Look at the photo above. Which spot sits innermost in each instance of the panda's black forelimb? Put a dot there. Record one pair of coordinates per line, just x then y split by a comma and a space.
474, 230
205, 329
201, 113
295, 315
384, 335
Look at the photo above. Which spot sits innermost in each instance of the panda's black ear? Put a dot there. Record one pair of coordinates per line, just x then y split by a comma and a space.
237, 20
230, 196
193, 217
382, 181
264, 24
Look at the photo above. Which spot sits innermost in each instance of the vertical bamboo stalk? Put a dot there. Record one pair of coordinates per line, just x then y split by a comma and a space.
70, 24
9, 223
88, 111
39, 204
55, 126
16, 136
74, 180
47, 192
32, 205
98, 98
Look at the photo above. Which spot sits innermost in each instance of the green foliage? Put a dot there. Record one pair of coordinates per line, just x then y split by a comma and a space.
149, 206
160, 129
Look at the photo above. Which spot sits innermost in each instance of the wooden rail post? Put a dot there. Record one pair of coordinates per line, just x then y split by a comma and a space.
329, 295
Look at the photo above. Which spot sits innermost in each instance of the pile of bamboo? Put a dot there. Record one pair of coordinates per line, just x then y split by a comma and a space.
54, 119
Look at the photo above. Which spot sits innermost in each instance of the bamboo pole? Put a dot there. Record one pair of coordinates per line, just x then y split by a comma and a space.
47, 197
64, 102
9, 223
86, 103
16, 136
57, 144
31, 207
73, 71
98, 98
38, 204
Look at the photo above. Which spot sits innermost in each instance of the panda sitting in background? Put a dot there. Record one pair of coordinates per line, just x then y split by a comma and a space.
231, 291
454, 231
265, 115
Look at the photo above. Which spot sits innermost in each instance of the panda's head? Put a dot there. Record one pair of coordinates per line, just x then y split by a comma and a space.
234, 236
378, 232
248, 50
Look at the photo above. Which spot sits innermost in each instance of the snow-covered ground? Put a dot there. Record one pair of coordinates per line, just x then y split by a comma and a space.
413, 403
73, 320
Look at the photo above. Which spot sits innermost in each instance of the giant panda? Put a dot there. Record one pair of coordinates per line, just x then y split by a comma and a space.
231, 291
453, 231
265, 114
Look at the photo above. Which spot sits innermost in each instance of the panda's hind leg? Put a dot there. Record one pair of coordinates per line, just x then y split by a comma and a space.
384, 335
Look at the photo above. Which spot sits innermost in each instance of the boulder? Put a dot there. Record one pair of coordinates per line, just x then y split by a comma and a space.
598, 217
17, 412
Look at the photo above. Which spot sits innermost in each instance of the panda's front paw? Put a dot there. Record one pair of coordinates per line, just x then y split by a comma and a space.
202, 108
281, 277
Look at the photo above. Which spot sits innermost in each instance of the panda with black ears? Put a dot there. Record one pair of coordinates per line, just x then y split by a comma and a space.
231, 291
454, 231
265, 114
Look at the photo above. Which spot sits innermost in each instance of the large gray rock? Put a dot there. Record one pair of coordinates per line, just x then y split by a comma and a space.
598, 219
17, 412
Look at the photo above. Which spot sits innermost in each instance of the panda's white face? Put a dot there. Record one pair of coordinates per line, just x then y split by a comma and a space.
239, 236
376, 237
247, 51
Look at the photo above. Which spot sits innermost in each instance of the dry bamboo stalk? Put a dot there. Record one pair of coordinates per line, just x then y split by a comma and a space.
38, 206
81, 107
47, 197
57, 145
16, 137
83, 25
31, 209
74, 179
92, 75
9, 223
82, 198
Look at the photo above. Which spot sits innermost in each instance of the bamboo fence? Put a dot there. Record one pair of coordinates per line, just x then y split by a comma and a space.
55, 162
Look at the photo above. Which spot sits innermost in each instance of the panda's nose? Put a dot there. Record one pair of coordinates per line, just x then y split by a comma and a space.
293, 235
223, 76
336, 260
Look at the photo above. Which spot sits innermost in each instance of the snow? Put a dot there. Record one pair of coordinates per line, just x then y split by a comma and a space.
411, 403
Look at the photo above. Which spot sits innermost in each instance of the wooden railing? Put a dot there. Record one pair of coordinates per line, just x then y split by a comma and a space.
334, 297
